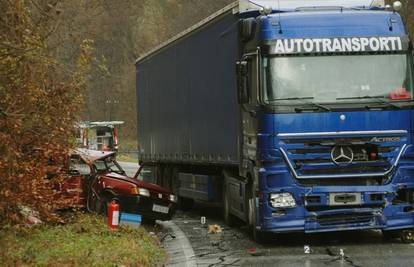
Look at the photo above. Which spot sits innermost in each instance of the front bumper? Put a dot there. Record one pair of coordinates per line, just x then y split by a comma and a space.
340, 220
382, 207
144, 206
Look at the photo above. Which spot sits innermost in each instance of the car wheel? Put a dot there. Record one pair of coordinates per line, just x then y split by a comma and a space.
102, 207
91, 201
407, 236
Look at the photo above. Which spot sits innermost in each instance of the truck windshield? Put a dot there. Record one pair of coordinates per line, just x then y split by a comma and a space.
339, 78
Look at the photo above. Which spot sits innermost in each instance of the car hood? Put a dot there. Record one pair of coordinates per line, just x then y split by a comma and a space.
139, 183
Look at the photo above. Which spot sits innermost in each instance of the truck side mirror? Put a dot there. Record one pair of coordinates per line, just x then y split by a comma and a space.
242, 81
247, 28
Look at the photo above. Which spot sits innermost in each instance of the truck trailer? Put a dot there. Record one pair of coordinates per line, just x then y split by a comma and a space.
294, 116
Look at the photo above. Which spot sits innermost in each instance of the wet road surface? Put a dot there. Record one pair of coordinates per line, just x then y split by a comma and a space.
233, 247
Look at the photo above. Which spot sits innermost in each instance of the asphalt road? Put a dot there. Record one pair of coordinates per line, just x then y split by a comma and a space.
233, 246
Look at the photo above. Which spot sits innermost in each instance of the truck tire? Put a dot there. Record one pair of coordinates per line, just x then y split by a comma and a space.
229, 218
257, 235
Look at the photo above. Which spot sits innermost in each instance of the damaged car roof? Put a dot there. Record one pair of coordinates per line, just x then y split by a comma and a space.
92, 155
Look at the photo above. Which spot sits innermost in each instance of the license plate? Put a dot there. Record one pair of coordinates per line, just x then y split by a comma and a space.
338, 199
158, 208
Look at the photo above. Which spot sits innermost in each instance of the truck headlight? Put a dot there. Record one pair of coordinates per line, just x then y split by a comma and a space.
173, 198
282, 200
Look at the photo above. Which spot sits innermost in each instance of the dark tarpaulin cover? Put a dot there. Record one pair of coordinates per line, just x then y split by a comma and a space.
187, 97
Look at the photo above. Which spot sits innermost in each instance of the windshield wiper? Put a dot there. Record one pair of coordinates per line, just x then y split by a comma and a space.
380, 98
303, 99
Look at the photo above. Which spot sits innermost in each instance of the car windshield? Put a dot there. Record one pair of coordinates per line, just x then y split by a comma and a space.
339, 78
108, 164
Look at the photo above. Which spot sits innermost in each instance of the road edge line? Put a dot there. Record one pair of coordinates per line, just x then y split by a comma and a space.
181, 241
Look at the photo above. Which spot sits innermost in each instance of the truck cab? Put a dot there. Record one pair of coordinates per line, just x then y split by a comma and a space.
326, 89
294, 116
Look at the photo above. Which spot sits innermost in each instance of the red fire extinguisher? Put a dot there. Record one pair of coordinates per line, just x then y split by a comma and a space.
113, 215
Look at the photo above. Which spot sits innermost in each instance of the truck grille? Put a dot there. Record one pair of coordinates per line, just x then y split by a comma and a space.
344, 218
372, 154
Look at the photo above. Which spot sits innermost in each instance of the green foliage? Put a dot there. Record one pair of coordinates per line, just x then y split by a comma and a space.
85, 242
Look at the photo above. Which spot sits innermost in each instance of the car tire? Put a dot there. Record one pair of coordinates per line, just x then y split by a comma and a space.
102, 207
91, 201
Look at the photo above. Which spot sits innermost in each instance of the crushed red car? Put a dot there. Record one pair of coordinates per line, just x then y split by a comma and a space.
96, 178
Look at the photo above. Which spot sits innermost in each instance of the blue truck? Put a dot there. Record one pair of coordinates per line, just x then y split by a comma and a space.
294, 116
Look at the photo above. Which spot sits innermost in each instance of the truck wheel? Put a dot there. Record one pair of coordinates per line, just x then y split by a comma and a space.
227, 216
257, 235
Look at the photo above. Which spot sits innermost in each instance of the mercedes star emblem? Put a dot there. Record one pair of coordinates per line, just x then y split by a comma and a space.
342, 155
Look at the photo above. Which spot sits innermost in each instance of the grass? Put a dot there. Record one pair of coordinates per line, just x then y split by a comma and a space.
86, 241
127, 149
127, 158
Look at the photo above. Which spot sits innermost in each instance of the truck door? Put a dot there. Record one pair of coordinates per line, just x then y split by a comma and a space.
249, 101
248, 82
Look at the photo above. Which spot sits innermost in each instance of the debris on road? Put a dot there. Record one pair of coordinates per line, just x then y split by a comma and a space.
255, 252
203, 220
214, 229
31, 216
